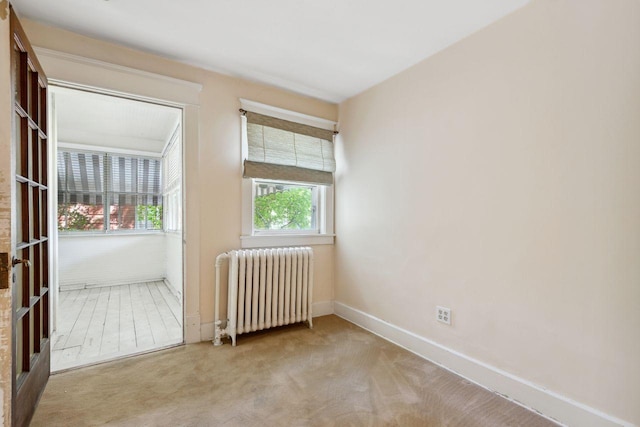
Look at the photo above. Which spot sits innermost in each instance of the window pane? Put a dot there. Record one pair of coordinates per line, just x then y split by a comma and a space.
136, 197
98, 191
80, 191
285, 206
149, 217
122, 211
134, 175
80, 216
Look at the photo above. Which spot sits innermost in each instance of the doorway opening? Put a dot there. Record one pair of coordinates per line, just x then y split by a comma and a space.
118, 264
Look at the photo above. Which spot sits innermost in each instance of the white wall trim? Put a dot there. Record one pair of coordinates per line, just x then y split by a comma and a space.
206, 331
82, 60
193, 329
175, 292
41, 51
525, 393
64, 235
322, 308
89, 285
79, 72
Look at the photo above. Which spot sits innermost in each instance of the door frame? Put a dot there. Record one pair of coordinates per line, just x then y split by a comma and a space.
76, 72
80, 72
53, 207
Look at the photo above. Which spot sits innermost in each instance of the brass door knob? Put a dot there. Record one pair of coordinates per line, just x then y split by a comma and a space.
24, 262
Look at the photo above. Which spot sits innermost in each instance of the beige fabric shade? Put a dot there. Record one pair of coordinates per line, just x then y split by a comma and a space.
283, 150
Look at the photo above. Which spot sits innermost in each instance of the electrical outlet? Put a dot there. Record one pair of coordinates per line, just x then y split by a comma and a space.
443, 314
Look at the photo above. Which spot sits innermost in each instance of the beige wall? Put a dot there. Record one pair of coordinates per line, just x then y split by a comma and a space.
216, 193
6, 183
500, 178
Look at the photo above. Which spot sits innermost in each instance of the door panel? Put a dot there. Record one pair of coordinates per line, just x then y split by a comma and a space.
30, 294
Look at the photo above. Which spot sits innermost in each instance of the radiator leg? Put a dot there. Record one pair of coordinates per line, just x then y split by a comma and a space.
217, 337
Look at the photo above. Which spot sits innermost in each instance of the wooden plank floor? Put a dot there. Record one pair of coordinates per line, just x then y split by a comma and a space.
105, 323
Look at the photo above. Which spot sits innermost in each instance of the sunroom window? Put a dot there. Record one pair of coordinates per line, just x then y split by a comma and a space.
108, 192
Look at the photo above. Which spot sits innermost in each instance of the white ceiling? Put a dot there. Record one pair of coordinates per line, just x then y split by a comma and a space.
88, 118
327, 49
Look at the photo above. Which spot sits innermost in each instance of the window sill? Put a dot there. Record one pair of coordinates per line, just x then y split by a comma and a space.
270, 241
63, 234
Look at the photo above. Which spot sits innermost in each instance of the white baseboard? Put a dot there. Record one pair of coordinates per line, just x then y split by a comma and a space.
321, 308
534, 397
206, 331
193, 331
73, 287
176, 293
79, 286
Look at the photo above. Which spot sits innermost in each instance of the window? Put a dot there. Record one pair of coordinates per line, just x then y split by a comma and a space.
172, 192
81, 195
108, 192
288, 167
284, 206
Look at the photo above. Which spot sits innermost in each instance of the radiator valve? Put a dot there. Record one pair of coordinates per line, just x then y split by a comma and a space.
219, 332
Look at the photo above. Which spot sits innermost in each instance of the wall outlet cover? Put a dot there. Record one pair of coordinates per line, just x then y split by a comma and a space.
443, 314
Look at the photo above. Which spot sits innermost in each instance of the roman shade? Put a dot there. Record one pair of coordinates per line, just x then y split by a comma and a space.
288, 151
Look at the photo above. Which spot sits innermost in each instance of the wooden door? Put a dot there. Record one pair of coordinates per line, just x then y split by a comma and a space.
30, 261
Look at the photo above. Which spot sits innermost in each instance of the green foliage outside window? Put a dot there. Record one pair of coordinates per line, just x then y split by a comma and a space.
71, 217
152, 214
81, 217
289, 208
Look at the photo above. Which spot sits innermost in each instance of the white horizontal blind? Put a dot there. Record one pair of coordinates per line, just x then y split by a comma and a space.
283, 150
173, 167
172, 187
114, 185
133, 181
80, 178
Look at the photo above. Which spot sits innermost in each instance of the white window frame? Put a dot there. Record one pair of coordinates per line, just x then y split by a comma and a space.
319, 205
172, 196
104, 151
273, 238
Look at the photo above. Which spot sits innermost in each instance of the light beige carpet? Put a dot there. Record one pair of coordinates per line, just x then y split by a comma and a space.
333, 375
